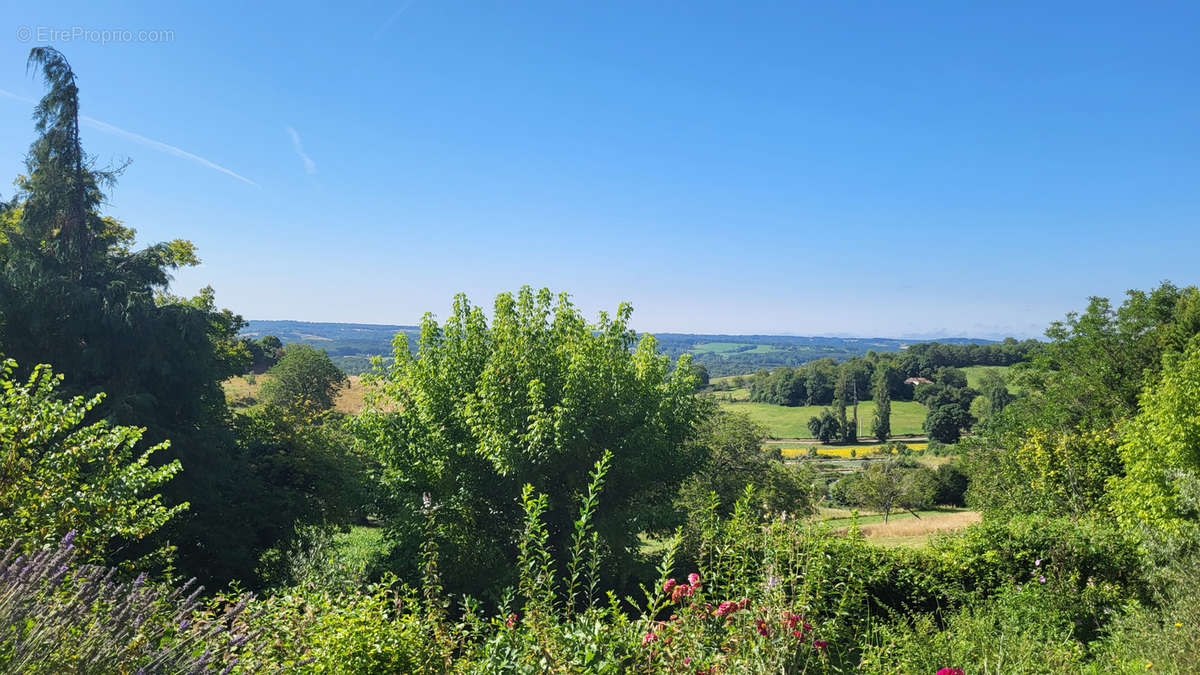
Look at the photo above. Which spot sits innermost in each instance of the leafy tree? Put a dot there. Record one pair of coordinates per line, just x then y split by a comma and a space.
826, 427
952, 377
75, 293
701, 374
264, 352
733, 444
995, 391
882, 425
951, 483
945, 423
1161, 446
1091, 372
889, 485
304, 382
1060, 473
59, 475
533, 398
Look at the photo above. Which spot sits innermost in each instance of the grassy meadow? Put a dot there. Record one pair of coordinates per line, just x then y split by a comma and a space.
241, 393
784, 422
974, 373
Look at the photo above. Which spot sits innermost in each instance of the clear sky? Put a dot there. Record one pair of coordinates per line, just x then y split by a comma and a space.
890, 168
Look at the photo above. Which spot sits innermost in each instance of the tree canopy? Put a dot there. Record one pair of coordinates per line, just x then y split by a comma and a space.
533, 397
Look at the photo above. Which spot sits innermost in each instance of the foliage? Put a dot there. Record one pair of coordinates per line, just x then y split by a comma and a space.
533, 398
57, 616
945, 423
75, 293
304, 476
892, 484
1054, 473
881, 426
1160, 443
58, 475
825, 428
1096, 363
303, 382
737, 462
950, 485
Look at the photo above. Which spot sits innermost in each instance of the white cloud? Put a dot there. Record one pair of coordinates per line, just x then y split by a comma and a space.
142, 140
309, 165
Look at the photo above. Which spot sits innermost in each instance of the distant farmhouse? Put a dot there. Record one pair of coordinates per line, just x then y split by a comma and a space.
914, 381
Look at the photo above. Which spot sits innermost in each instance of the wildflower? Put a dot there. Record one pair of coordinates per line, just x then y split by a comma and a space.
761, 627
1037, 563
512, 620
694, 579
1178, 625
687, 660
726, 608
1042, 580
820, 644
679, 592
798, 633
950, 671
671, 583
649, 637
744, 603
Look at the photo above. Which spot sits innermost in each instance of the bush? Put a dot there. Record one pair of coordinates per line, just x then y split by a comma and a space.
57, 475
56, 616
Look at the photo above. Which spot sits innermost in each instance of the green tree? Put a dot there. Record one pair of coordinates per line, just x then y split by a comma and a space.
1057, 473
304, 382
535, 397
890, 485
75, 293
737, 458
825, 427
945, 423
1096, 363
1161, 446
882, 424
58, 474
994, 390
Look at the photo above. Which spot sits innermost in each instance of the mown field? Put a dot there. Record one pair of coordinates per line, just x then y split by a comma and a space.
902, 528
240, 393
784, 422
974, 373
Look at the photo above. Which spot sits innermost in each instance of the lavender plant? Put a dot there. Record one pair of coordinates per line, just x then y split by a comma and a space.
57, 616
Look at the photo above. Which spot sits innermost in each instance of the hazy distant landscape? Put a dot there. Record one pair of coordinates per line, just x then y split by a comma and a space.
352, 344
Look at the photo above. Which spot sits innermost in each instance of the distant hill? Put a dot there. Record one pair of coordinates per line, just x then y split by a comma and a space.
352, 344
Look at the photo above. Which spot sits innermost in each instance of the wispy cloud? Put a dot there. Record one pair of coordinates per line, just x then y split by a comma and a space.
142, 140
164, 147
392, 19
309, 165
8, 94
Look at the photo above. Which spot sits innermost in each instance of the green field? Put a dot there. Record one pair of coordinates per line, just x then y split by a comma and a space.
728, 347
784, 422
976, 372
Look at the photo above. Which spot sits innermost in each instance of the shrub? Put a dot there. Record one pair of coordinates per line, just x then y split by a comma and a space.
57, 475
56, 616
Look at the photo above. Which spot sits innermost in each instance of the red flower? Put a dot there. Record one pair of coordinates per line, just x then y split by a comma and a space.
512, 620
725, 609
669, 585
820, 644
950, 671
648, 638
761, 627
694, 579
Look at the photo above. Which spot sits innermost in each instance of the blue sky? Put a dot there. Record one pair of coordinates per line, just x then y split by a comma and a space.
887, 169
